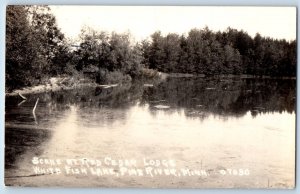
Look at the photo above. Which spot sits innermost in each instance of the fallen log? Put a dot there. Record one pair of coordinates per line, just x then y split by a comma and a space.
22, 96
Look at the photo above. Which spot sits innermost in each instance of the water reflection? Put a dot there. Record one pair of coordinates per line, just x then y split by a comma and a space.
194, 96
224, 97
191, 120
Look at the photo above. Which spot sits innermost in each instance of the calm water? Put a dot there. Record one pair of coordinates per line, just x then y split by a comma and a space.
208, 124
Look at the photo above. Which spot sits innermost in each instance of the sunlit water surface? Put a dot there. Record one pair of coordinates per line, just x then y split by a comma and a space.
200, 124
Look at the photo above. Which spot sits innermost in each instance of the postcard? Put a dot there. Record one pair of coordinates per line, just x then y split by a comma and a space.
150, 96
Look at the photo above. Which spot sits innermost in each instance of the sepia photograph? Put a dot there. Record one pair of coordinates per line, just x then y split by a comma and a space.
150, 96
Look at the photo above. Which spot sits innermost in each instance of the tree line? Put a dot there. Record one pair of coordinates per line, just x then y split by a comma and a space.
34, 45
203, 51
36, 49
107, 58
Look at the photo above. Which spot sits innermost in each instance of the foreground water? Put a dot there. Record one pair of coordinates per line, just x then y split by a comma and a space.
178, 133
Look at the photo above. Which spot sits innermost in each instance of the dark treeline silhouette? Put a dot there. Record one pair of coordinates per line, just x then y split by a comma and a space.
107, 58
36, 50
35, 47
203, 51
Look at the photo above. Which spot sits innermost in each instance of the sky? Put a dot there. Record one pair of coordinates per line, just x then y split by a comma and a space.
142, 21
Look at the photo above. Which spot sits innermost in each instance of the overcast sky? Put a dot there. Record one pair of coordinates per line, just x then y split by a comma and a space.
276, 22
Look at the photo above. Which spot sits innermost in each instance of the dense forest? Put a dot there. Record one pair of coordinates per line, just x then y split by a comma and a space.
35, 47
213, 53
36, 50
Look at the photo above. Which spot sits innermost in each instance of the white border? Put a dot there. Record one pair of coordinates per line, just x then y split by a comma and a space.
27, 190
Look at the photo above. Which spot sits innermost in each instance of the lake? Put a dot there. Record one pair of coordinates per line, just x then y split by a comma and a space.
201, 132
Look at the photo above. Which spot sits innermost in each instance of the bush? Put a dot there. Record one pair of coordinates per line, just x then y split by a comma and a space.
108, 77
150, 73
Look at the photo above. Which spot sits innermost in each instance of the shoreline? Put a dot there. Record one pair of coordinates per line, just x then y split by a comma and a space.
67, 83
242, 76
57, 85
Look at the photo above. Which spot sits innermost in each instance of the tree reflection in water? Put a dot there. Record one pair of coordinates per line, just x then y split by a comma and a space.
195, 98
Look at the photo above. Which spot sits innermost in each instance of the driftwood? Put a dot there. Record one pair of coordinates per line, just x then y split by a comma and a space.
22, 102
161, 106
33, 111
109, 86
22, 96
148, 85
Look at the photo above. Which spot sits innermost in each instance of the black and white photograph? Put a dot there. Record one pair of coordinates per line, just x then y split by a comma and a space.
150, 96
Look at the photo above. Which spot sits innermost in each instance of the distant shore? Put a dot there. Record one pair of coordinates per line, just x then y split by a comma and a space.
243, 76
